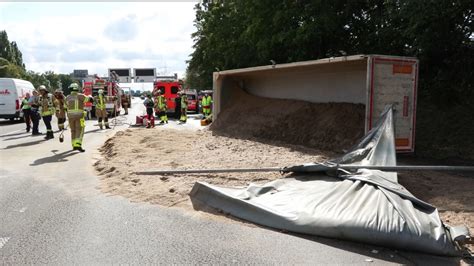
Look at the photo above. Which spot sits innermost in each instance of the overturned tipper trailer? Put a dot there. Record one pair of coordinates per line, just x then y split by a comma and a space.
372, 80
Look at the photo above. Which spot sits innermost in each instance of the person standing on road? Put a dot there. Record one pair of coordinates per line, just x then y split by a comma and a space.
60, 108
184, 108
26, 109
125, 102
161, 106
47, 110
149, 104
177, 106
100, 111
76, 114
206, 105
35, 116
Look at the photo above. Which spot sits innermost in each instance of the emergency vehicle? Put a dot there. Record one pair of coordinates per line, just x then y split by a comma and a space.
170, 89
112, 93
87, 90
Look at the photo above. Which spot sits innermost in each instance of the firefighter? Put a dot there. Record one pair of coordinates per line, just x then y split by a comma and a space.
125, 102
149, 104
60, 108
100, 110
26, 109
206, 104
161, 106
35, 116
177, 105
47, 110
184, 108
76, 114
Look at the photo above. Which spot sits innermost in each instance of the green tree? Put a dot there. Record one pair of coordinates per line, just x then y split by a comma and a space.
5, 47
10, 70
65, 80
10, 51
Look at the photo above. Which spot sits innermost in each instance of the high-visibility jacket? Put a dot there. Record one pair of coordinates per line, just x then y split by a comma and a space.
100, 102
75, 104
184, 102
206, 101
25, 104
161, 103
47, 105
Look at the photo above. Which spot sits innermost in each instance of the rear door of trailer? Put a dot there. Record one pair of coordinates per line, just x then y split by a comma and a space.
393, 80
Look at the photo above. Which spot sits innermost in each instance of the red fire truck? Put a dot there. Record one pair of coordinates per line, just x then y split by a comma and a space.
87, 90
170, 89
112, 91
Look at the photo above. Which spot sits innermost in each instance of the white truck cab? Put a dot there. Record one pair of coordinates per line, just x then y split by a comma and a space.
12, 92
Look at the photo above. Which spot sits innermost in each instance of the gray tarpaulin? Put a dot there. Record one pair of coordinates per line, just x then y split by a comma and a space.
367, 206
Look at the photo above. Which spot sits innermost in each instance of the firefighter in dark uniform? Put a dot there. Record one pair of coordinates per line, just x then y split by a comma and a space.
149, 104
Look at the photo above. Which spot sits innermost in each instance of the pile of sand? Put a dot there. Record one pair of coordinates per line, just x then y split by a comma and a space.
324, 126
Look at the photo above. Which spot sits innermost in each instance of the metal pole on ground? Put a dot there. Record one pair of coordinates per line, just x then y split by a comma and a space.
342, 166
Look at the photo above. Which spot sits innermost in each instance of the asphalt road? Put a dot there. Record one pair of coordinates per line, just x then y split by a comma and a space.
52, 213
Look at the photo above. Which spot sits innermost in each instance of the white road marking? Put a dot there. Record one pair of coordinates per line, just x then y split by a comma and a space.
3, 241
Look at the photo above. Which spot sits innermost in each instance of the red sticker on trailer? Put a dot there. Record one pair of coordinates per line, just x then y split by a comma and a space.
402, 69
402, 142
405, 106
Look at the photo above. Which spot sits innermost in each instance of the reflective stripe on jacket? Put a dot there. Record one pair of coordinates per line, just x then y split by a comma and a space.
47, 105
75, 104
184, 102
100, 102
161, 101
206, 101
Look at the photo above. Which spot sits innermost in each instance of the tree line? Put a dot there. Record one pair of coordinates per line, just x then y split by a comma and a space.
243, 33
12, 66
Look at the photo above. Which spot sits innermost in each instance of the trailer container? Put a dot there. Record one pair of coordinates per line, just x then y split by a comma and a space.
372, 80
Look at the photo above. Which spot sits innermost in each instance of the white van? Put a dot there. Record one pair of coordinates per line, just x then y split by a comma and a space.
12, 92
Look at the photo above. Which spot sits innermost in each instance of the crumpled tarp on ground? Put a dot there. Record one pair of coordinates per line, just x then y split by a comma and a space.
366, 206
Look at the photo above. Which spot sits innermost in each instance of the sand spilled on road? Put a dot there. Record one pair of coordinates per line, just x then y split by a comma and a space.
146, 149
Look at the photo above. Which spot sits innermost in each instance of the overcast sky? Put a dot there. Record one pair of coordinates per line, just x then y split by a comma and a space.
97, 36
